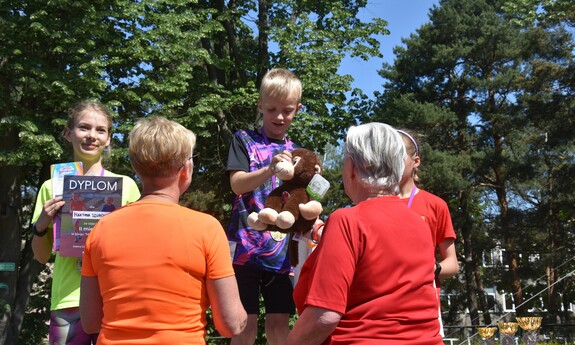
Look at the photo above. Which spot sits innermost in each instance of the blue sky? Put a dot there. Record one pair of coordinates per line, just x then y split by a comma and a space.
403, 18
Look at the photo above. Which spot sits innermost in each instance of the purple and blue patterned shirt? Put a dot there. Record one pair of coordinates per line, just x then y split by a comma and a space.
251, 151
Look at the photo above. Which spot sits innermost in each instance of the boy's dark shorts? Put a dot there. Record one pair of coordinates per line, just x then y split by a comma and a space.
277, 290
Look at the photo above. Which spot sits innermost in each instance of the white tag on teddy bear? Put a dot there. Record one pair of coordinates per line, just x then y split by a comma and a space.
317, 187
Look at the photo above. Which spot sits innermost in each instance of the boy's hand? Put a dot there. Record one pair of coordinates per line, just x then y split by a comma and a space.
284, 156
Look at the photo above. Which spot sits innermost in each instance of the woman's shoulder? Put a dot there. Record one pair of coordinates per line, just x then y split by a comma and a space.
201, 219
344, 212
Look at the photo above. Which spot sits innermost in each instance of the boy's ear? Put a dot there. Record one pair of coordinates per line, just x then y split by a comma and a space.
260, 106
299, 107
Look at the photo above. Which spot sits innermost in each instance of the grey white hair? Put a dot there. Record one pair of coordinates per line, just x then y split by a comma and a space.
378, 153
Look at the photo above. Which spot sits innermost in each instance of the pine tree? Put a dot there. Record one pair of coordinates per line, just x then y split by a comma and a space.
463, 80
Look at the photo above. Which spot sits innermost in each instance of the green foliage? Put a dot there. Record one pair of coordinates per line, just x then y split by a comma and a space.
544, 12
335, 197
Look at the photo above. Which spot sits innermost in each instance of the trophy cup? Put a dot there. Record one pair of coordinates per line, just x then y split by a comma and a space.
486, 334
530, 324
507, 331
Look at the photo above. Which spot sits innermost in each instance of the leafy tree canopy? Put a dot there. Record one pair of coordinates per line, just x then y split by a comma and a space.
197, 62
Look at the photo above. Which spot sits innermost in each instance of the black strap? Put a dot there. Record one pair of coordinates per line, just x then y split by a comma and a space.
38, 233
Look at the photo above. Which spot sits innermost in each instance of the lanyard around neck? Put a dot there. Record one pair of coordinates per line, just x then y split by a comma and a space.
411, 196
288, 145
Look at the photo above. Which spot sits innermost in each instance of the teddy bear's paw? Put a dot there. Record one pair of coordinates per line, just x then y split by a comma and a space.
254, 223
268, 216
311, 210
285, 220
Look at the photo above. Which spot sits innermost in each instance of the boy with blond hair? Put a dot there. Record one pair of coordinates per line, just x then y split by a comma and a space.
260, 258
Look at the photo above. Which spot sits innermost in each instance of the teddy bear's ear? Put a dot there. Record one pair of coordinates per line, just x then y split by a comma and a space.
317, 169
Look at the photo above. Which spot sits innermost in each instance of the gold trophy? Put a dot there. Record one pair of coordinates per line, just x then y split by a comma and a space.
486, 334
530, 325
507, 331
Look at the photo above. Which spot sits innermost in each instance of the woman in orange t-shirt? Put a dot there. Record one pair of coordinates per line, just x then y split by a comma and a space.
154, 267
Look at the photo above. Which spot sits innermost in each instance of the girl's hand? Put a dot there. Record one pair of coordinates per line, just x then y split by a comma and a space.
51, 208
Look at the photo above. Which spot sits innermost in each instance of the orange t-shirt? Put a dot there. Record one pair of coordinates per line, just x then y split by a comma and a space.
152, 259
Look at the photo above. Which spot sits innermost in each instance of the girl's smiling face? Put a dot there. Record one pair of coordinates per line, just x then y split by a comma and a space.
89, 135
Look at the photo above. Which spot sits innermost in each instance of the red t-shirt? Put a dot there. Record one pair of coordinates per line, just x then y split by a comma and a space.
152, 260
375, 266
435, 212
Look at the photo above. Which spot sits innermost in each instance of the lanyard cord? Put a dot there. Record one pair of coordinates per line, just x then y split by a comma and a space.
411, 196
288, 144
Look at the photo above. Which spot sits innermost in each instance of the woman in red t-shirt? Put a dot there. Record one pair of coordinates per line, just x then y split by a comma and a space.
371, 278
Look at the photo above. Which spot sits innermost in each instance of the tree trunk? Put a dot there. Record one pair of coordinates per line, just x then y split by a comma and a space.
553, 300
10, 232
471, 290
482, 298
29, 270
232, 42
263, 28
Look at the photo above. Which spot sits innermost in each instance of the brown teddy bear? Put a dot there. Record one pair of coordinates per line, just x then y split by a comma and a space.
289, 208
